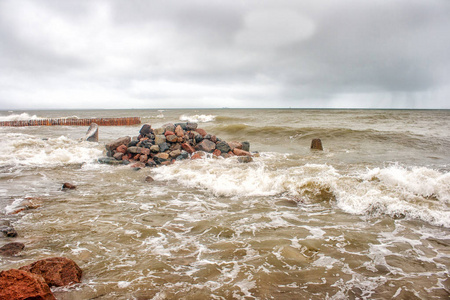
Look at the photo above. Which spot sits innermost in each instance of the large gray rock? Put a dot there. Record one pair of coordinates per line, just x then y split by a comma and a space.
169, 127
146, 129
159, 139
92, 133
191, 126
223, 147
163, 147
206, 145
246, 146
112, 161
158, 131
120, 141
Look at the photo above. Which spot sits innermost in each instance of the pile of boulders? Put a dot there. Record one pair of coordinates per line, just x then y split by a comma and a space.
172, 142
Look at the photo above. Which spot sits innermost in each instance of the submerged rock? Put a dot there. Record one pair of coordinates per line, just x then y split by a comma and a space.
56, 271
8, 231
19, 284
245, 159
11, 249
68, 186
111, 161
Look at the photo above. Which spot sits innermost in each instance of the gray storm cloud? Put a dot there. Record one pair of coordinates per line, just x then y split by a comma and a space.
162, 54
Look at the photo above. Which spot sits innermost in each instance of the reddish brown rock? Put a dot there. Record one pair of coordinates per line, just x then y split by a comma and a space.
175, 153
217, 152
138, 165
145, 151
56, 271
143, 158
149, 179
68, 186
167, 133
179, 131
316, 144
166, 163
235, 145
118, 155
21, 285
196, 156
240, 152
11, 249
206, 145
188, 148
162, 155
120, 141
172, 138
213, 139
122, 149
201, 131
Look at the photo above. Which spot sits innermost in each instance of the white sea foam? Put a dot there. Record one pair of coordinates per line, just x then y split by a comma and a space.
19, 117
415, 193
26, 150
123, 284
198, 118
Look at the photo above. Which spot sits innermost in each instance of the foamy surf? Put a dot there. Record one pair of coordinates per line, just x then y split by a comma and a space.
19, 117
416, 193
198, 118
27, 150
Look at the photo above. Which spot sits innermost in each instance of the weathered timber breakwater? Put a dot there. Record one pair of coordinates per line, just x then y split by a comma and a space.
172, 142
125, 121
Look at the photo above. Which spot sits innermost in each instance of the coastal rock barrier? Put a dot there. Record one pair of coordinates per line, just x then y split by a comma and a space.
172, 142
126, 121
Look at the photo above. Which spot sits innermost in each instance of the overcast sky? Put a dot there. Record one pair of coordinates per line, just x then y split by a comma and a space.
210, 53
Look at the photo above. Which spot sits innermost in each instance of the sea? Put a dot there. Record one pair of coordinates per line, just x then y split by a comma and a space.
366, 218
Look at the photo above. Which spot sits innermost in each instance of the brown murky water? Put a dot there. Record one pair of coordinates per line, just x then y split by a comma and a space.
368, 218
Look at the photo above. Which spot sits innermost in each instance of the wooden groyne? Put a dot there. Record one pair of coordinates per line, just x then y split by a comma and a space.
74, 122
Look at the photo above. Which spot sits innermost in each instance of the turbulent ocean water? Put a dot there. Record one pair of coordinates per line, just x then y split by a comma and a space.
367, 218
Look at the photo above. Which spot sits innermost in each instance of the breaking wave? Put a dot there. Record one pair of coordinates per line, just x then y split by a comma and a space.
414, 193
26, 150
198, 118
19, 117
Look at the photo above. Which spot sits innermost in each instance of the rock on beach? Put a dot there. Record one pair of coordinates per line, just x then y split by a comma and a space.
19, 284
57, 271
11, 249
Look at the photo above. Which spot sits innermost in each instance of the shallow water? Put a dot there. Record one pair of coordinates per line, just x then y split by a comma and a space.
367, 218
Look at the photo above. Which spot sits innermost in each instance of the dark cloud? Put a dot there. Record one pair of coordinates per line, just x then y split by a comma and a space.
218, 53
